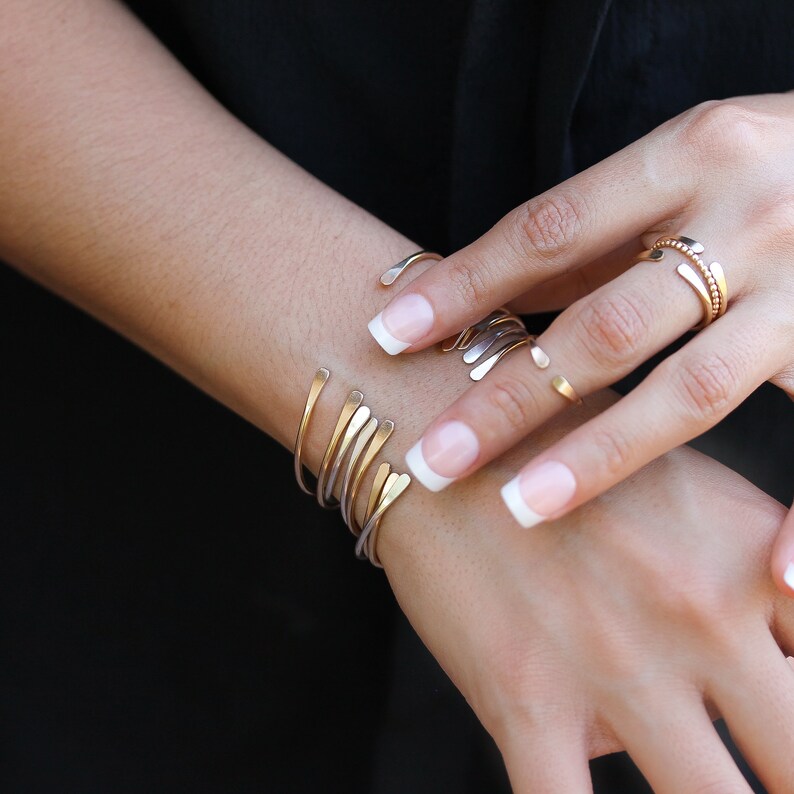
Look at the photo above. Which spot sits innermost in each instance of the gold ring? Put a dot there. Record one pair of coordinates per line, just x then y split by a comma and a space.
565, 389
708, 282
558, 382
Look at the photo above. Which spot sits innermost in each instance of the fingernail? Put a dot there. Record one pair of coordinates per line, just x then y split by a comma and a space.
788, 576
443, 454
538, 493
402, 323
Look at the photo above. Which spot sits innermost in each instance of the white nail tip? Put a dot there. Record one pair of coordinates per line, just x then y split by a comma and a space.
419, 468
788, 576
511, 494
389, 343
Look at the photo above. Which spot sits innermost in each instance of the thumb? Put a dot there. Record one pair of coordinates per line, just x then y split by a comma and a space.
783, 556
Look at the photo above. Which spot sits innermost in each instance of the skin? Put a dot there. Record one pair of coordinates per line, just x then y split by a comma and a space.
588, 635
723, 172
155, 210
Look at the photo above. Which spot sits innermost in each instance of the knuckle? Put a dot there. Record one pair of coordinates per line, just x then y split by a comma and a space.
613, 327
549, 225
785, 381
778, 217
725, 129
515, 400
614, 450
683, 596
468, 281
707, 386
520, 694
699, 604
509, 680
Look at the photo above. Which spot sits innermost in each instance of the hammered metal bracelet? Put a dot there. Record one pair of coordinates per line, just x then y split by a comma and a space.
356, 440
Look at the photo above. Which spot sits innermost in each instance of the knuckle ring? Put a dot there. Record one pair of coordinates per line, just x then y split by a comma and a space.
496, 335
707, 281
561, 385
558, 382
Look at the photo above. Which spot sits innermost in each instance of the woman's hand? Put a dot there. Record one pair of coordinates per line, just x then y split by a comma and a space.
723, 173
189, 261
629, 624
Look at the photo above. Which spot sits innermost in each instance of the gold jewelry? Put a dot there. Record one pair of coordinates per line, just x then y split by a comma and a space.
719, 275
479, 338
366, 546
558, 382
690, 249
351, 405
709, 282
358, 467
320, 379
361, 435
561, 385
694, 281
354, 426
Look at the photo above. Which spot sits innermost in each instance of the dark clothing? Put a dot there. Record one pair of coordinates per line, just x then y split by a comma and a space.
161, 629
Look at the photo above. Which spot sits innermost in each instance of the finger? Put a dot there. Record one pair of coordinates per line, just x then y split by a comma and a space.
757, 702
782, 623
685, 395
561, 291
547, 761
601, 338
783, 556
679, 752
580, 220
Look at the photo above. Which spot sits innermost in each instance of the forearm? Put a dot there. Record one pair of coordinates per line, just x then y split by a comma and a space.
126, 188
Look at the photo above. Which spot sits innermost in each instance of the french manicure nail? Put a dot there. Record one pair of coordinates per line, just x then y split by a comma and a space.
539, 492
443, 454
403, 322
788, 576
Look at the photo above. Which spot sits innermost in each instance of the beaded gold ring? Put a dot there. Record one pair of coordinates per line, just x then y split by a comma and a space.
708, 282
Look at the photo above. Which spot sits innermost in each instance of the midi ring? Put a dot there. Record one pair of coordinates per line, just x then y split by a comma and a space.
558, 382
562, 386
708, 282
496, 335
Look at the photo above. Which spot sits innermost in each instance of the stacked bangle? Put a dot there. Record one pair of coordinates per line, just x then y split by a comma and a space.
358, 437
356, 440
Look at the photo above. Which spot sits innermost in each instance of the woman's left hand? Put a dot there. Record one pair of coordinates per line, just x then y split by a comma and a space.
722, 173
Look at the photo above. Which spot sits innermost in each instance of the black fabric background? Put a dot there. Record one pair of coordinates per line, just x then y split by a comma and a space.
175, 617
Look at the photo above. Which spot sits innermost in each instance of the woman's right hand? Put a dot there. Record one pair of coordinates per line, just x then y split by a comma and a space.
628, 624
